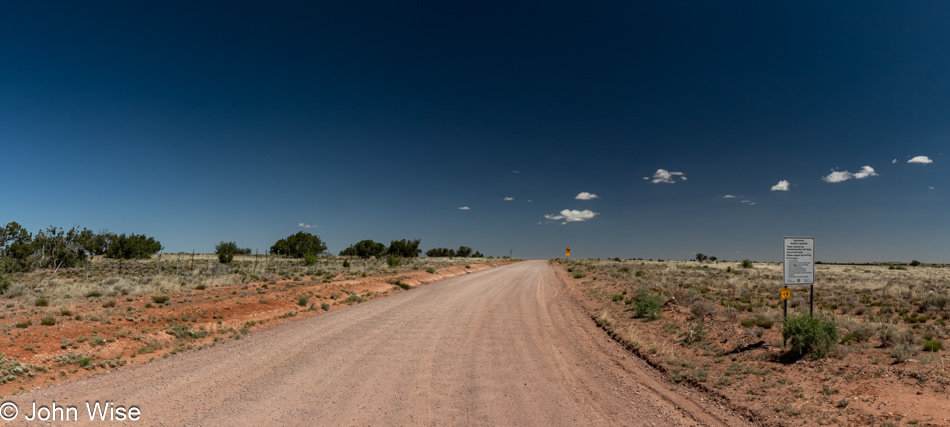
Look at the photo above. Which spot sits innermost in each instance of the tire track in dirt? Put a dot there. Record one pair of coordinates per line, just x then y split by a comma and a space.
505, 346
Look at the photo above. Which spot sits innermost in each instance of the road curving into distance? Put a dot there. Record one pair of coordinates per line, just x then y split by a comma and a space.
505, 346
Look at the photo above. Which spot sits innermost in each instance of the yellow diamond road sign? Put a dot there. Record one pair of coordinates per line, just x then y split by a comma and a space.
567, 251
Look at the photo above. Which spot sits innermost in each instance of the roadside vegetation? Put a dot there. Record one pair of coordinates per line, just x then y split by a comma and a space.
719, 326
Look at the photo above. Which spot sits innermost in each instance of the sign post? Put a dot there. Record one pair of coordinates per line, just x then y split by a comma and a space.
567, 251
799, 266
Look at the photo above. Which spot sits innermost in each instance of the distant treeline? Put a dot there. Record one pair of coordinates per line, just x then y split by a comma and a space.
54, 247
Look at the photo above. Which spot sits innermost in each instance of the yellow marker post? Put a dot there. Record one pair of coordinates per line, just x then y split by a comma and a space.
786, 293
567, 251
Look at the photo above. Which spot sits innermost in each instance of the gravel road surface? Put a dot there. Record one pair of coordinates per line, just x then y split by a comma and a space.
501, 347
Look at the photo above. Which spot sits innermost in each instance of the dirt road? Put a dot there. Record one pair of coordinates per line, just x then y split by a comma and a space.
504, 346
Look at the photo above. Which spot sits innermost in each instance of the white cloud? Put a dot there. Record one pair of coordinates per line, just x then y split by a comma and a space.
781, 186
586, 196
746, 201
836, 176
865, 172
307, 225
930, 188
569, 215
508, 199
920, 159
841, 176
665, 177
728, 196
893, 161
515, 172
465, 208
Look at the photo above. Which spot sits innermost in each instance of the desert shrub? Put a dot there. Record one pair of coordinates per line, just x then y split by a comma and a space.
746, 263
863, 333
346, 263
200, 287
24, 324
160, 299
404, 248
440, 252
694, 333
647, 306
394, 260
430, 270
325, 306
578, 274
810, 335
302, 301
365, 249
41, 302
48, 321
309, 258
616, 297
403, 285
137, 246
701, 309
109, 303
902, 352
763, 322
298, 245
93, 294
933, 345
748, 322
225, 251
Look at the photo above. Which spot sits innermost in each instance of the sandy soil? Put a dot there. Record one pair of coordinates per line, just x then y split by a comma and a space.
506, 346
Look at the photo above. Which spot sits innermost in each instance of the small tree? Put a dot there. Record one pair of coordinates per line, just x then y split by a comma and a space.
712, 259
298, 245
133, 246
914, 263
700, 257
405, 248
464, 252
226, 251
365, 249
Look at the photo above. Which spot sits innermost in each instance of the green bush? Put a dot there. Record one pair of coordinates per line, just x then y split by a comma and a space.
160, 299
430, 270
48, 321
309, 258
746, 263
810, 335
137, 246
346, 263
325, 306
933, 345
24, 324
647, 306
93, 294
404, 248
578, 274
616, 297
41, 302
394, 260
365, 249
298, 245
403, 285
302, 301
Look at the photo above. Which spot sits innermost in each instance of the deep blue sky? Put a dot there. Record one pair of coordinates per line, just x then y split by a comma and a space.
196, 123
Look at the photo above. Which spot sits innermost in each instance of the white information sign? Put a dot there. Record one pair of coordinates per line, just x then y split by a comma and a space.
799, 264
